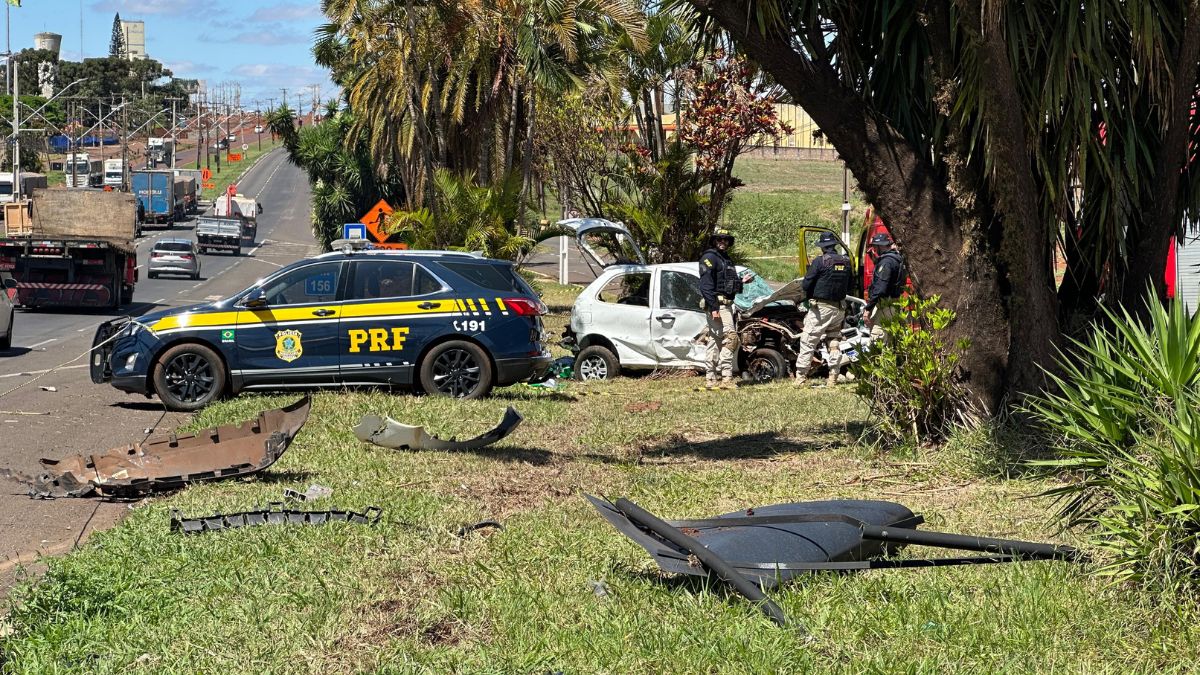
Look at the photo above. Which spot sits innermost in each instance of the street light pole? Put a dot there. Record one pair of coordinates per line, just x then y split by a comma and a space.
16, 138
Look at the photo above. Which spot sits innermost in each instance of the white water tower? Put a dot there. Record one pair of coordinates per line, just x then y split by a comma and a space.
50, 41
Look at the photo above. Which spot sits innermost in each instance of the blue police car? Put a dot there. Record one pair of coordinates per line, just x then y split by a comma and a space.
451, 324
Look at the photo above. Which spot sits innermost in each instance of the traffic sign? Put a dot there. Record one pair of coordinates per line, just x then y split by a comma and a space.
208, 186
245, 146
205, 174
235, 156
354, 231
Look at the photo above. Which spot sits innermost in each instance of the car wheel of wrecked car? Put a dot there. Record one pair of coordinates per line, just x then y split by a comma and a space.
457, 369
596, 363
188, 377
766, 364
6, 341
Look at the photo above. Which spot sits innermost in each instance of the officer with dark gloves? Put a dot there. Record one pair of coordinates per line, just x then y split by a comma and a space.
886, 285
719, 283
825, 287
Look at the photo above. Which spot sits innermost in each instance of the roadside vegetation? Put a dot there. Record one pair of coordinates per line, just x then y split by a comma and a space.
557, 588
230, 172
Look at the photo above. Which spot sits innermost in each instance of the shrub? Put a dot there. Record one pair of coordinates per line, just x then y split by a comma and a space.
911, 384
1126, 428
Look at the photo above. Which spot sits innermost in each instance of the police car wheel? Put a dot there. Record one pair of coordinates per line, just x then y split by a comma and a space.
766, 364
457, 369
596, 363
188, 377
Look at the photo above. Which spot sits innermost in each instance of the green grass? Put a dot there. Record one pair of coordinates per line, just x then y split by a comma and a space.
56, 179
230, 172
409, 596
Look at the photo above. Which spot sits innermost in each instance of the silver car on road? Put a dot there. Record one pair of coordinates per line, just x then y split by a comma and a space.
173, 256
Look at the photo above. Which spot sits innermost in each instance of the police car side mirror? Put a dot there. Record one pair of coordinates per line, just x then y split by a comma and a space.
10, 283
257, 298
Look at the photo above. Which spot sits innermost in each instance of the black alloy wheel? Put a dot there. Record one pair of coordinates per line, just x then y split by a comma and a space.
457, 369
189, 377
766, 364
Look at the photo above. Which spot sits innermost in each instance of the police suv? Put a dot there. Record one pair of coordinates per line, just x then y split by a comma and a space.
451, 324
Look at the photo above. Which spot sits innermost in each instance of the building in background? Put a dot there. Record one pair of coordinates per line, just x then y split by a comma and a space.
135, 38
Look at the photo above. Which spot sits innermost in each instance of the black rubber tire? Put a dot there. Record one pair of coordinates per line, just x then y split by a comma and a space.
237, 251
151, 275
6, 341
458, 369
596, 362
196, 276
205, 384
766, 364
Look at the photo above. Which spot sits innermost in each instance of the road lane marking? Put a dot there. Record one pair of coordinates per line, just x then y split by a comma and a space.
43, 342
31, 373
160, 300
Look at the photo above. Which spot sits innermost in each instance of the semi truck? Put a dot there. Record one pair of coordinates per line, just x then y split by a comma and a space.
155, 191
78, 250
197, 176
159, 151
29, 183
83, 171
114, 173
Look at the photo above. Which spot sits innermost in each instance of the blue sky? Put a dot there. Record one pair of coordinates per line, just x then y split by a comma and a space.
263, 44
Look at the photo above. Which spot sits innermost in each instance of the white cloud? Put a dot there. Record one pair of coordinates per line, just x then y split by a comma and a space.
159, 7
288, 11
188, 68
264, 80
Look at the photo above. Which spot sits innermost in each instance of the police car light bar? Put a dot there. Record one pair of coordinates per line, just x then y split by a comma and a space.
351, 245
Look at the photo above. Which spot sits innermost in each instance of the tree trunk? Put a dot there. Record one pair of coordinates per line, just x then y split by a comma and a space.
1148, 244
511, 143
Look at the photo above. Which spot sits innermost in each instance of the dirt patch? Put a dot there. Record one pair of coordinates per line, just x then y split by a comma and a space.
643, 406
443, 632
514, 488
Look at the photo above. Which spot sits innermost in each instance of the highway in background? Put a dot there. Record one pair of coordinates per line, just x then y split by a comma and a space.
78, 416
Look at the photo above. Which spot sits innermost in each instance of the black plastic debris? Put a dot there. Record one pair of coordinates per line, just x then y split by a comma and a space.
275, 515
775, 543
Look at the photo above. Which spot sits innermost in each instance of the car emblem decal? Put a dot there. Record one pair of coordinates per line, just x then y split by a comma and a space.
287, 345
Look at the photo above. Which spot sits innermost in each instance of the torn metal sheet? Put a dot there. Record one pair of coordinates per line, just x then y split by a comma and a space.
169, 463
275, 515
388, 433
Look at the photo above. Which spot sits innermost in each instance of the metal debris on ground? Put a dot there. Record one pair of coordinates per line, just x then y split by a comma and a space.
49, 389
170, 462
481, 525
275, 515
778, 542
388, 433
313, 492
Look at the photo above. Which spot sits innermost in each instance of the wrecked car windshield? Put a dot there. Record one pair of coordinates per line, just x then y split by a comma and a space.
752, 291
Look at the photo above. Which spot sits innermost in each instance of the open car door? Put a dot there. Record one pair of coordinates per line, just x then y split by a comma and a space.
809, 250
603, 242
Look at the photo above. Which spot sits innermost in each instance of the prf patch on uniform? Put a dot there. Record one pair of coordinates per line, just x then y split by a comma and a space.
288, 346
380, 339
227, 335
708, 262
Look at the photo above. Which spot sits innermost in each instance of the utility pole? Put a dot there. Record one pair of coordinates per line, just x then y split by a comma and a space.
124, 146
16, 94
174, 125
258, 120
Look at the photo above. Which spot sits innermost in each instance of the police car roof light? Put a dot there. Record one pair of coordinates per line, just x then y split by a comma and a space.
350, 245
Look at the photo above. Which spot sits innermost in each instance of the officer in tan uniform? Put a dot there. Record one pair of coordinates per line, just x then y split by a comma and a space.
825, 287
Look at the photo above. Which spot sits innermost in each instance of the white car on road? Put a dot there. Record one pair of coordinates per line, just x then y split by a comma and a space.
639, 316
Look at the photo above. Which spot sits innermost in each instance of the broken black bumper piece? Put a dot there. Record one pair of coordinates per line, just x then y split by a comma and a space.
757, 549
275, 515
388, 433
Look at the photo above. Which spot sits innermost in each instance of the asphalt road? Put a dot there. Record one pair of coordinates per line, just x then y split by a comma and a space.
49, 351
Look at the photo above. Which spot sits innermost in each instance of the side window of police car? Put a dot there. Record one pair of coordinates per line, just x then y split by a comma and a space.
378, 279
309, 284
627, 289
680, 290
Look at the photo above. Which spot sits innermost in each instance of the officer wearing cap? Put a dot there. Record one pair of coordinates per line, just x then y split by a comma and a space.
886, 285
825, 288
719, 283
